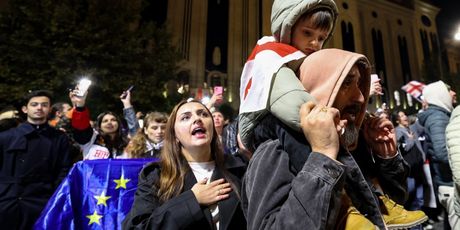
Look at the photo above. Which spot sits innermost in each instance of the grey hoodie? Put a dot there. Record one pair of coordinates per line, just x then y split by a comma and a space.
285, 14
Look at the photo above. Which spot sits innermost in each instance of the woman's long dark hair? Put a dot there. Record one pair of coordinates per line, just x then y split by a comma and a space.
119, 142
173, 164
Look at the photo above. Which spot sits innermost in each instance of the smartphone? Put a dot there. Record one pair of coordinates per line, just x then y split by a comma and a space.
374, 78
123, 96
83, 86
130, 88
218, 89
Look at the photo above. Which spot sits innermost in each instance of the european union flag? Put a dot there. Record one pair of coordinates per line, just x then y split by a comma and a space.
96, 194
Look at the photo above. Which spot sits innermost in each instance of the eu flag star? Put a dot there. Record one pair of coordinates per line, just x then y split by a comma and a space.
121, 183
94, 218
102, 199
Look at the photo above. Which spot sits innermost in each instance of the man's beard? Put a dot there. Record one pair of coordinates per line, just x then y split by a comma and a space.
350, 135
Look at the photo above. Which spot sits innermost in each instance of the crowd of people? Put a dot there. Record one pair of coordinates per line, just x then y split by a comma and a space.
304, 151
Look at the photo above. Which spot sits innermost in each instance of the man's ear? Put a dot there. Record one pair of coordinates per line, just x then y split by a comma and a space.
24, 109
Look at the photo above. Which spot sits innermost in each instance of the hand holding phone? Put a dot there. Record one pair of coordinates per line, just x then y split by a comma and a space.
374, 78
376, 87
218, 90
82, 87
218, 94
124, 94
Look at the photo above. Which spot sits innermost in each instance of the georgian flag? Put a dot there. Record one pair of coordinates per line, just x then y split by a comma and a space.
265, 60
415, 89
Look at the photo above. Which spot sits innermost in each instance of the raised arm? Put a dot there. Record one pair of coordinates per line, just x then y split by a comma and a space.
390, 167
80, 119
129, 113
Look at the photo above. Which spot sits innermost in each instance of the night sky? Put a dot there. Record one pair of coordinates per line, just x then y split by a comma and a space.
448, 19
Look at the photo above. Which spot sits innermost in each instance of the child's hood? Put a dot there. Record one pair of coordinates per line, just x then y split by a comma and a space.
286, 12
323, 72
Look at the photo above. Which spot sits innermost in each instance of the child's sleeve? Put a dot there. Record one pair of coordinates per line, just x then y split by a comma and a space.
287, 94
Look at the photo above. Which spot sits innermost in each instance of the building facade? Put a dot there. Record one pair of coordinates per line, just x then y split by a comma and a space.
215, 37
453, 55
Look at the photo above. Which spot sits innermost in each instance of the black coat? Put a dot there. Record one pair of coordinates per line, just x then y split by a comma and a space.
183, 211
33, 161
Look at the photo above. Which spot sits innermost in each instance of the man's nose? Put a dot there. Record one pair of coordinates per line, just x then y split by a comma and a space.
358, 96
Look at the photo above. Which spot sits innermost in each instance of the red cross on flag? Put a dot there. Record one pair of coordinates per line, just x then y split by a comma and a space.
415, 89
265, 60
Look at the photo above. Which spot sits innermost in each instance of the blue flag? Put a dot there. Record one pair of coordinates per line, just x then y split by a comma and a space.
96, 194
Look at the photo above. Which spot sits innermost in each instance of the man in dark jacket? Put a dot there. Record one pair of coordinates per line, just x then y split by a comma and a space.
306, 181
34, 158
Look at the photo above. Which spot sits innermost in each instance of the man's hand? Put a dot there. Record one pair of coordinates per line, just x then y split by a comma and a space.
321, 126
380, 136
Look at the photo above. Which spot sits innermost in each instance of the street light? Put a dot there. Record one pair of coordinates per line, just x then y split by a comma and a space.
457, 35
